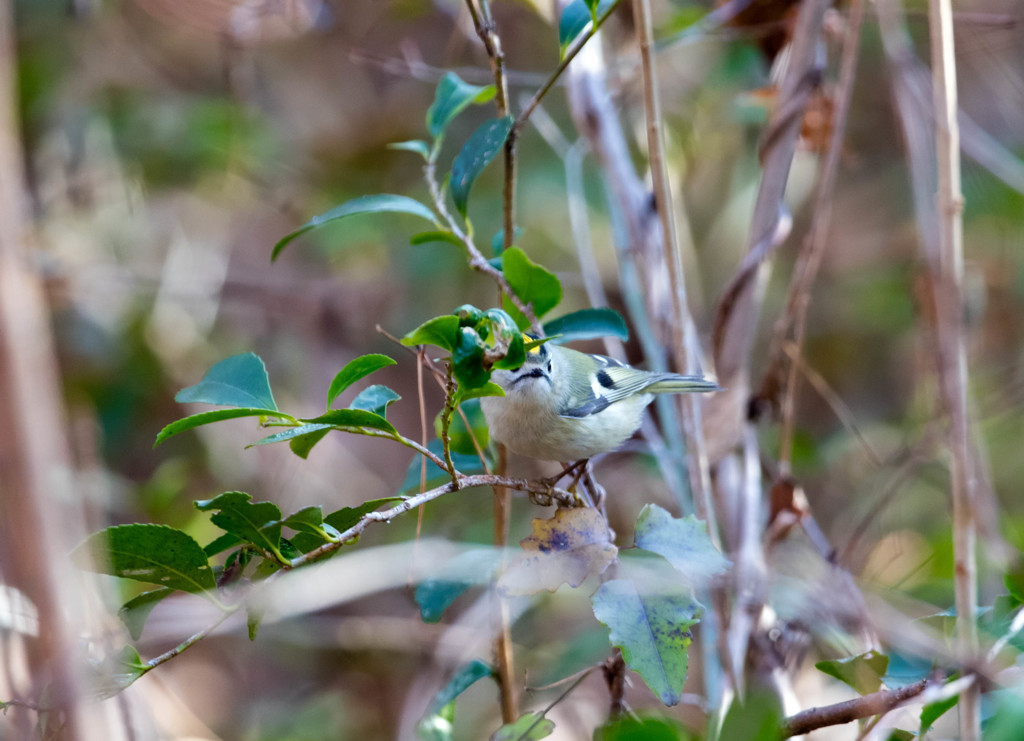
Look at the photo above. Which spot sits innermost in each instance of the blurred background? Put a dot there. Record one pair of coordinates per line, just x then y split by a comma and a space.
167, 145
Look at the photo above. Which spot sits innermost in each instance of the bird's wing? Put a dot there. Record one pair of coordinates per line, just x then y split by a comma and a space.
611, 382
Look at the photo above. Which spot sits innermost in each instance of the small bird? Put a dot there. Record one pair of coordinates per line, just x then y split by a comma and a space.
565, 405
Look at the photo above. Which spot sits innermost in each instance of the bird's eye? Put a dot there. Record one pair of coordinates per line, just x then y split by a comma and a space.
549, 366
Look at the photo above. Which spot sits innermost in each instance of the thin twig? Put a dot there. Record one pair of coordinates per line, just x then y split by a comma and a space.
845, 712
952, 349
189, 642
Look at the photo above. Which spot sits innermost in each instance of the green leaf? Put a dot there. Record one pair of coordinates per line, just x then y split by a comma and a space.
532, 283
498, 240
478, 151
135, 611
757, 717
588, 324
342, 418
441, 331
452, 97
355, 369
383, 203
418, 146
375, 399
652, 630
311, 520
466, 676
116, 673
863, 672
467, 464
310, 434
253, 618
471, 568
437, 727
155, 554
303, 444
488, 389
683, 542
205, 418
1014, 581
344, 518
468, 360
461, 437
221, 544
435, 236
258, 523
238, 381
529, 727
935, 710
576, 16
641, 729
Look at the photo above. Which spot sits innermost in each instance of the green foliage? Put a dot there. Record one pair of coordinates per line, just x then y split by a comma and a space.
650, 624
863, 672
258, 523
383, 203
471, 568
587, 324
535, 285
757, 717
154, 554
135, 611
683, 542
452, 97
465, 677
460, 435
238, 381
641, 729
375, 399
441, 331
478, 152
529, 727
219, 415
354, 370
576, 17
311, 520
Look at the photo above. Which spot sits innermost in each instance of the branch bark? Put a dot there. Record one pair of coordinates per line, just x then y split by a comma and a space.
851, 710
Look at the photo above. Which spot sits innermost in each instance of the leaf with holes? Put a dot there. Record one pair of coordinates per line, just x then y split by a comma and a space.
651, 626
683, 542
566, 549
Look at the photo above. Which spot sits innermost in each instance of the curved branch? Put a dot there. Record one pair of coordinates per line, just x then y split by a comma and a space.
851, 710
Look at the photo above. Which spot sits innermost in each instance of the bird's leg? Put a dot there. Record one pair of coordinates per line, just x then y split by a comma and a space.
567, 468
582, 493
597, 491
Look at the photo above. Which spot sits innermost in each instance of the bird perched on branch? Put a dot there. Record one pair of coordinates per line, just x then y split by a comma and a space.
566, 405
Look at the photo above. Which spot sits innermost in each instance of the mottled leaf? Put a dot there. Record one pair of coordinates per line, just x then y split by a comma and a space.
383, 203
355, 369
652, 628
684, 542
565, 549
478, 152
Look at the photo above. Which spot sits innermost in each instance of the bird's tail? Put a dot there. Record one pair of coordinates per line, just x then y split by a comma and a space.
673, 383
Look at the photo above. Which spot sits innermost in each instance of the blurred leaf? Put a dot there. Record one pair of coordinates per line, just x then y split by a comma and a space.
441, 331
205, 418
757, 717
155, 554
238, 381
1014, 581
135, 611
641, 729
353, 418
355, 369
529, 727
436, 593
383, 203
468, 360
452, 97
935, 710
258, 523
478, 151
467, 464
498, 240
898, 734
117, 674
418, 146
459, 436
532, 283
652, 630
253, 618
436, 236
588, 324
683, 542
375, 399
566, 549
465, 676
437, 727
576, 16
863, 672
1004, 709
